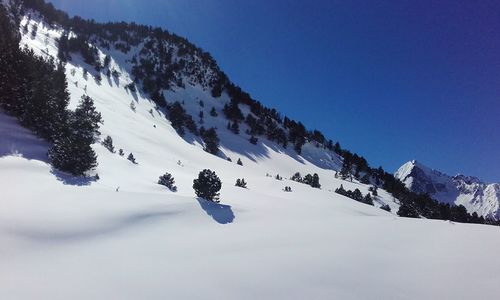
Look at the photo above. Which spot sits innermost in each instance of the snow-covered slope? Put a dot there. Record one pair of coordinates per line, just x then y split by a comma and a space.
468, 191
126, 237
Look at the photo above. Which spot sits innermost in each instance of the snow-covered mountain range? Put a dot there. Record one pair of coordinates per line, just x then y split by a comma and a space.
120, 235
468, 191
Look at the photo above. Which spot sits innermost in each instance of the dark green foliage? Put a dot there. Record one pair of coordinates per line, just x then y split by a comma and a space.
86, 120
213, 112
345, 171
341, 190
131, 158
180, 119
167, 180
297, 134
253, 140
71, 151
373, 189
233, 112
207, 185
235, 128
120, 152
211, 140
131, 87
287, 189
407, 210
278, 177
158, 98
69, 154
365, 179
241, 183
312, 180
108, 144
356, 195
296, 177
367, 199
239, 162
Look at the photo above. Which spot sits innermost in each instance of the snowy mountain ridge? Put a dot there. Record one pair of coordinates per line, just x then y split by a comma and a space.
468, 191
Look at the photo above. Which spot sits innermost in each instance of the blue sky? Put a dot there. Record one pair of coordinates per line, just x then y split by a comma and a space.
391, 80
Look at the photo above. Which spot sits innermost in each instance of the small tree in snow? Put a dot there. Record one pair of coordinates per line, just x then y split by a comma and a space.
167, 180
207, 185
296, 177
131, 158
108, 144
241, 183
239, 162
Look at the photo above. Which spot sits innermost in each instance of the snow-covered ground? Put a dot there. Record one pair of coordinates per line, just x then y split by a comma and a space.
126, 237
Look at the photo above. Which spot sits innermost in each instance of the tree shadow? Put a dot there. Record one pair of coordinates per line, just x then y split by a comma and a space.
221, 213
133, 93
110, 82
20, 141
68, 179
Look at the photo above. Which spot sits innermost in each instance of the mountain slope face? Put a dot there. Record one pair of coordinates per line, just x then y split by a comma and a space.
123, 236
468, 191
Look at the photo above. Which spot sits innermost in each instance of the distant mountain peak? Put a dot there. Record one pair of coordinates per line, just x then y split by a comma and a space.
460, 189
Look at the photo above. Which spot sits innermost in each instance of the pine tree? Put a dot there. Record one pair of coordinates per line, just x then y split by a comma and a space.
213, 112
365, 179
72, 155
239, 162
345, 171
131, 158
341, 190
211, 141
235, 128
296, 177
368, 199
207, 185
120, 152
167, 180
253, 140
241, 183
407, 210
357, 195
108, 144
86, 120
71, 151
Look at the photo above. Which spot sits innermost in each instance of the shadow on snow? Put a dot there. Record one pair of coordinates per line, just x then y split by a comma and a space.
221, 213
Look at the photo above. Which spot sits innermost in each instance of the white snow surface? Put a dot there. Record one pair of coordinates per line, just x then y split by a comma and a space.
126, 237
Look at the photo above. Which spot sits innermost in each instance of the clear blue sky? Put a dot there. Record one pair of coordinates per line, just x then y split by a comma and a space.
391, 80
